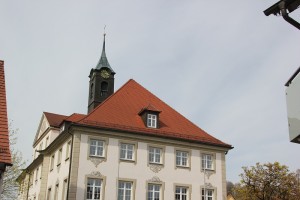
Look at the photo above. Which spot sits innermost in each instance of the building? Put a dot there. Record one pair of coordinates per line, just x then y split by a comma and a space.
131, 145
293, 106
5, 156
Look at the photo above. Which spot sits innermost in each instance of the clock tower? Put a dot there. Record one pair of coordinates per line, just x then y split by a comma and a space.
101, 83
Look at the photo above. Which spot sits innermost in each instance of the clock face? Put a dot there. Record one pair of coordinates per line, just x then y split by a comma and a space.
104, 73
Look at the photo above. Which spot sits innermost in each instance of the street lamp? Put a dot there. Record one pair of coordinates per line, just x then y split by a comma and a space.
283, 8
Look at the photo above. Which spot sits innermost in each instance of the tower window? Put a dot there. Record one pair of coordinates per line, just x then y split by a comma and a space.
104, 88
151, 121
92, 90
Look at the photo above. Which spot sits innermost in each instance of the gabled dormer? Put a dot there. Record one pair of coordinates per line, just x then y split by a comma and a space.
150, 116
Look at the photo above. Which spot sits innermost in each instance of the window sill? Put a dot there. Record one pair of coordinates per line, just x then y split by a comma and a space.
127, 160
153, 163
58, 165
93, 156
182, 167
67, 158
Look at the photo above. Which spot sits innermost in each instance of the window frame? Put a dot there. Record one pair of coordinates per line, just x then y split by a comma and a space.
213, 164
93, 188
187, 193
102, 189
68, 150
161, 190
134, 151
205, 190
188, 161
59, 156
133, 188
151, 120
96, 148
52, 159
162, 157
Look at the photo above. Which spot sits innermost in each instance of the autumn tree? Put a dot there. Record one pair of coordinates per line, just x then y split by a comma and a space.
270, 181
10, 186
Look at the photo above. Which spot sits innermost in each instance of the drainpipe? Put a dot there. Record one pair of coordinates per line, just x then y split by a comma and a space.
286, 16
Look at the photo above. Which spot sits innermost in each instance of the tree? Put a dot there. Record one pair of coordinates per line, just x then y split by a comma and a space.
229, 187
270, 181
10, 185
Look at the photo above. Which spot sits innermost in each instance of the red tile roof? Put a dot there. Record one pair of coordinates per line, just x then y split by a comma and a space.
54, 119
121, 112
5, 156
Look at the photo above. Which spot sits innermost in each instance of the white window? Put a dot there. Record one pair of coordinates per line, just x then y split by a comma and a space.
125, 190
127, 151
56, 192
49, 194
59, 156
65, 189
151, 121
36, 173
96, 148
155, 155
93, 190
181, 193
52, 162
182, 158
47, 141
68, 150
207, 194
207, 161
41, 146
154, 192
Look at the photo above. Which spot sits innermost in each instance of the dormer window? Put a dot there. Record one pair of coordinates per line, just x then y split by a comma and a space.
150, 116
151, 120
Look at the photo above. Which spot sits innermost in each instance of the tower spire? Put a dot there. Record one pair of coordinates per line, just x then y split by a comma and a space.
103, 62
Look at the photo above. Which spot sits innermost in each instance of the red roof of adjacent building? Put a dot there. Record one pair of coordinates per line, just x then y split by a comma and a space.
5, 156
54, 119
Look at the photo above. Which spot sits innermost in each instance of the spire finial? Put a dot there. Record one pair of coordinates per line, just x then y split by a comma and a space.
104, 31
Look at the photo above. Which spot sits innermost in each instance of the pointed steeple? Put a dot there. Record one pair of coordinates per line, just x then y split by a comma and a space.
103, 62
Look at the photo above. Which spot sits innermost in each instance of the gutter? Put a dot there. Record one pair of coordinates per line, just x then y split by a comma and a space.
285, 15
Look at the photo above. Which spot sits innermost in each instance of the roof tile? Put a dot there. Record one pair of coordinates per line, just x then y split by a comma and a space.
5, 155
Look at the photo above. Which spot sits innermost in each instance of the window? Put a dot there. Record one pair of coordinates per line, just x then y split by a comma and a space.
207, 161
52, 162
125, 190
93, 190
181, 193
127, 151
49, 194
104, 88
207, 194
68, 150
36, 174
59, 156
65, 189
155, 155
41, 146
151, 121
96, 148
92, 91
56, 192
154, 192
182, 158
47, 141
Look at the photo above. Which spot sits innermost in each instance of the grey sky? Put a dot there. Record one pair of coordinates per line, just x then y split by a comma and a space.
222, 64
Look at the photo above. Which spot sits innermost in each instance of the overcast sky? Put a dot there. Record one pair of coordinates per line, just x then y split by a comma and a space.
222, 64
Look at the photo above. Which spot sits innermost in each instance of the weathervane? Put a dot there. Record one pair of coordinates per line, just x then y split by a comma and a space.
104, 30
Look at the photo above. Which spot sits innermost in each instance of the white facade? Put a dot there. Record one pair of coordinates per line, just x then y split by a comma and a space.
52, 180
